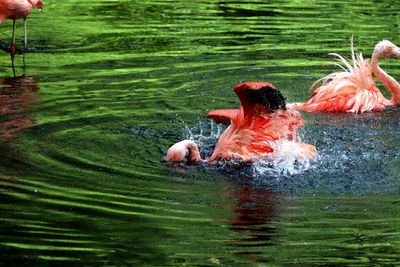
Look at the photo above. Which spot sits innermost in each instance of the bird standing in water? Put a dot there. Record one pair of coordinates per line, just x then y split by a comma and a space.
354, 89
18, 9
263, 127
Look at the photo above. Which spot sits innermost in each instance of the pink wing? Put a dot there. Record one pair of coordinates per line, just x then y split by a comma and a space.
250, 138
282, 124
352, 89
346, 97
223, 115
325, 98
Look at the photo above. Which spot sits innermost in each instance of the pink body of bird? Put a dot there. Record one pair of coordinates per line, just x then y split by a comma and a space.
262, 128
354, 88
18, 9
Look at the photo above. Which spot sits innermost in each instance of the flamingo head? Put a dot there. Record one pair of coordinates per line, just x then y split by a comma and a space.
386, 49
39, 5
36, 3
253, 94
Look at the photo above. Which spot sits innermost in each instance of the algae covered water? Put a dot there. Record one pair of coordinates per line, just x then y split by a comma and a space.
107, 86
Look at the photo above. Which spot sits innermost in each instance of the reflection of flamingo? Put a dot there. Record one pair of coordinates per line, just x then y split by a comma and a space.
262, 126
253, 219
14, 98
354, 89
18, 9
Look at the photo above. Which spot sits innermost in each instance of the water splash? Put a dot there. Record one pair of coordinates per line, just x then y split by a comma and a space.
206, 134
356, 153
283, 166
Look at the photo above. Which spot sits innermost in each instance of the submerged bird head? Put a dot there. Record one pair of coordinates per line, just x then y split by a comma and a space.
253, 94
386, 49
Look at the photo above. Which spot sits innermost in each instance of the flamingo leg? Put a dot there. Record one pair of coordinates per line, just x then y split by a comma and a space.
12, 64
12, 46
25, 35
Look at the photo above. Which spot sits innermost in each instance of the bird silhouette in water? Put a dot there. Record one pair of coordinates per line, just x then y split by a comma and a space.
18, 9
354, 88
263, 128
17, 94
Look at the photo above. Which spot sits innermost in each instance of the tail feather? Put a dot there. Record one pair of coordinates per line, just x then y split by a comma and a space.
351, 89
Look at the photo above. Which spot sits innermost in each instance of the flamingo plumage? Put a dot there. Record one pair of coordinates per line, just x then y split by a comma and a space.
262, 127
18, 9
353, 89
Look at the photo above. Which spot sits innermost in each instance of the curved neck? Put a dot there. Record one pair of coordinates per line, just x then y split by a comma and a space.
30, 2
391, 84
194, 154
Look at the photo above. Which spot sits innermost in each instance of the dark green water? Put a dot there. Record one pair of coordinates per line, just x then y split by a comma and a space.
110, 85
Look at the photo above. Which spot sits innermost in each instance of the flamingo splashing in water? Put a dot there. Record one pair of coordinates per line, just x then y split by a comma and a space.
18, 9
262, 127
354, 89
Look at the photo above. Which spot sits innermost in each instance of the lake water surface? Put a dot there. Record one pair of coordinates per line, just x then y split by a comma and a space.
108, 86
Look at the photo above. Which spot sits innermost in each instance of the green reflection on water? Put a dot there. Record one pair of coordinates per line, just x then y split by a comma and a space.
119, 82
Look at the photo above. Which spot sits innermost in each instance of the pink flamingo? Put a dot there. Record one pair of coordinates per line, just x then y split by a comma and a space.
18, 9
354, 89
262, 128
